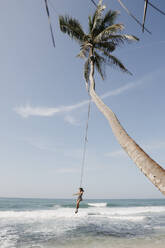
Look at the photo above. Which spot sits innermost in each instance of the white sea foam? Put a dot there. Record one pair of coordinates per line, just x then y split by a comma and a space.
97, 210
40, 214
7, 238
129, 218
56, 224
137, 210
99, 204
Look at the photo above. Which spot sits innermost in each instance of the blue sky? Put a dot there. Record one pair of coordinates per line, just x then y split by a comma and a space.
44, 104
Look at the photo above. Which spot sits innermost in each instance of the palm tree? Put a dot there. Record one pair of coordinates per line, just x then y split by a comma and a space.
96, 48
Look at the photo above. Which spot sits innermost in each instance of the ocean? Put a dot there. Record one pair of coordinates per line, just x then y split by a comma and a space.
52, 223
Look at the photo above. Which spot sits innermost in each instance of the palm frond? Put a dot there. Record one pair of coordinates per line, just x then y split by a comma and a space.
72, 27
109, 31
82, 54
84, 51
90, 24
105, 22
112, 60
100, 42
87, 70
109, 18
120, 38
107, 45
130, 38
99, 63
118, 63
96, 20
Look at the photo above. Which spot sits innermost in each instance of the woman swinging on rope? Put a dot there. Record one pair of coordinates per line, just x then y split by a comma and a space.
79, 199
81, 191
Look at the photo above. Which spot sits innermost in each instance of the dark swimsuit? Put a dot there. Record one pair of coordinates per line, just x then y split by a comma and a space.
79, 198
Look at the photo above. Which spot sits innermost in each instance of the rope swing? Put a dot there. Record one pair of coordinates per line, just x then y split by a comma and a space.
145, 11
85, 144
94, 3
130, 14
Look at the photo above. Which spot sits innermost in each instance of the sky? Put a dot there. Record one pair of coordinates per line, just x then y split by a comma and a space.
43, 104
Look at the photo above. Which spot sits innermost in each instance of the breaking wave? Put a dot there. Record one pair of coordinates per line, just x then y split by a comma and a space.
101, 204
58, 224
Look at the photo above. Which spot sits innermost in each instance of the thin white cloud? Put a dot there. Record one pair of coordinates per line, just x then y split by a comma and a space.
120, 90
28, 110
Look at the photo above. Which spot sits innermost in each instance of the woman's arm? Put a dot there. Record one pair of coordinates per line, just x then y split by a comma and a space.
76, 193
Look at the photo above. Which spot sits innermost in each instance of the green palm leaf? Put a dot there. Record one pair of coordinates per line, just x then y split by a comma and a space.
90, 24
109, 31
100, 64
112, 60
96, 20
118, 39
108, 46
105, 22
100, 42
109, 19
84, 51
72, 27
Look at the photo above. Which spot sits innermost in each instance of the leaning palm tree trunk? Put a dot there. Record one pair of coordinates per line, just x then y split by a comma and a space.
152, 170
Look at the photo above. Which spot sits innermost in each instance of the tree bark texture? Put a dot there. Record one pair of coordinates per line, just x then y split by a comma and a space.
151, 169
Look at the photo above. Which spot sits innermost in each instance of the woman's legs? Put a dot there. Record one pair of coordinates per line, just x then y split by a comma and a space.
77, 206
78, 202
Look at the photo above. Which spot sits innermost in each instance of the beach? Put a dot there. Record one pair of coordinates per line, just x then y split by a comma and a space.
49, 223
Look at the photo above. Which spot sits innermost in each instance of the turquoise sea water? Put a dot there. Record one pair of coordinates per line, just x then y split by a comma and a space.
52, 223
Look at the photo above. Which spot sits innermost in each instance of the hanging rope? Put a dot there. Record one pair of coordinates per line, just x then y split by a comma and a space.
48, 14
94, 3
145, 11
85, 144
153, 6
130, 14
